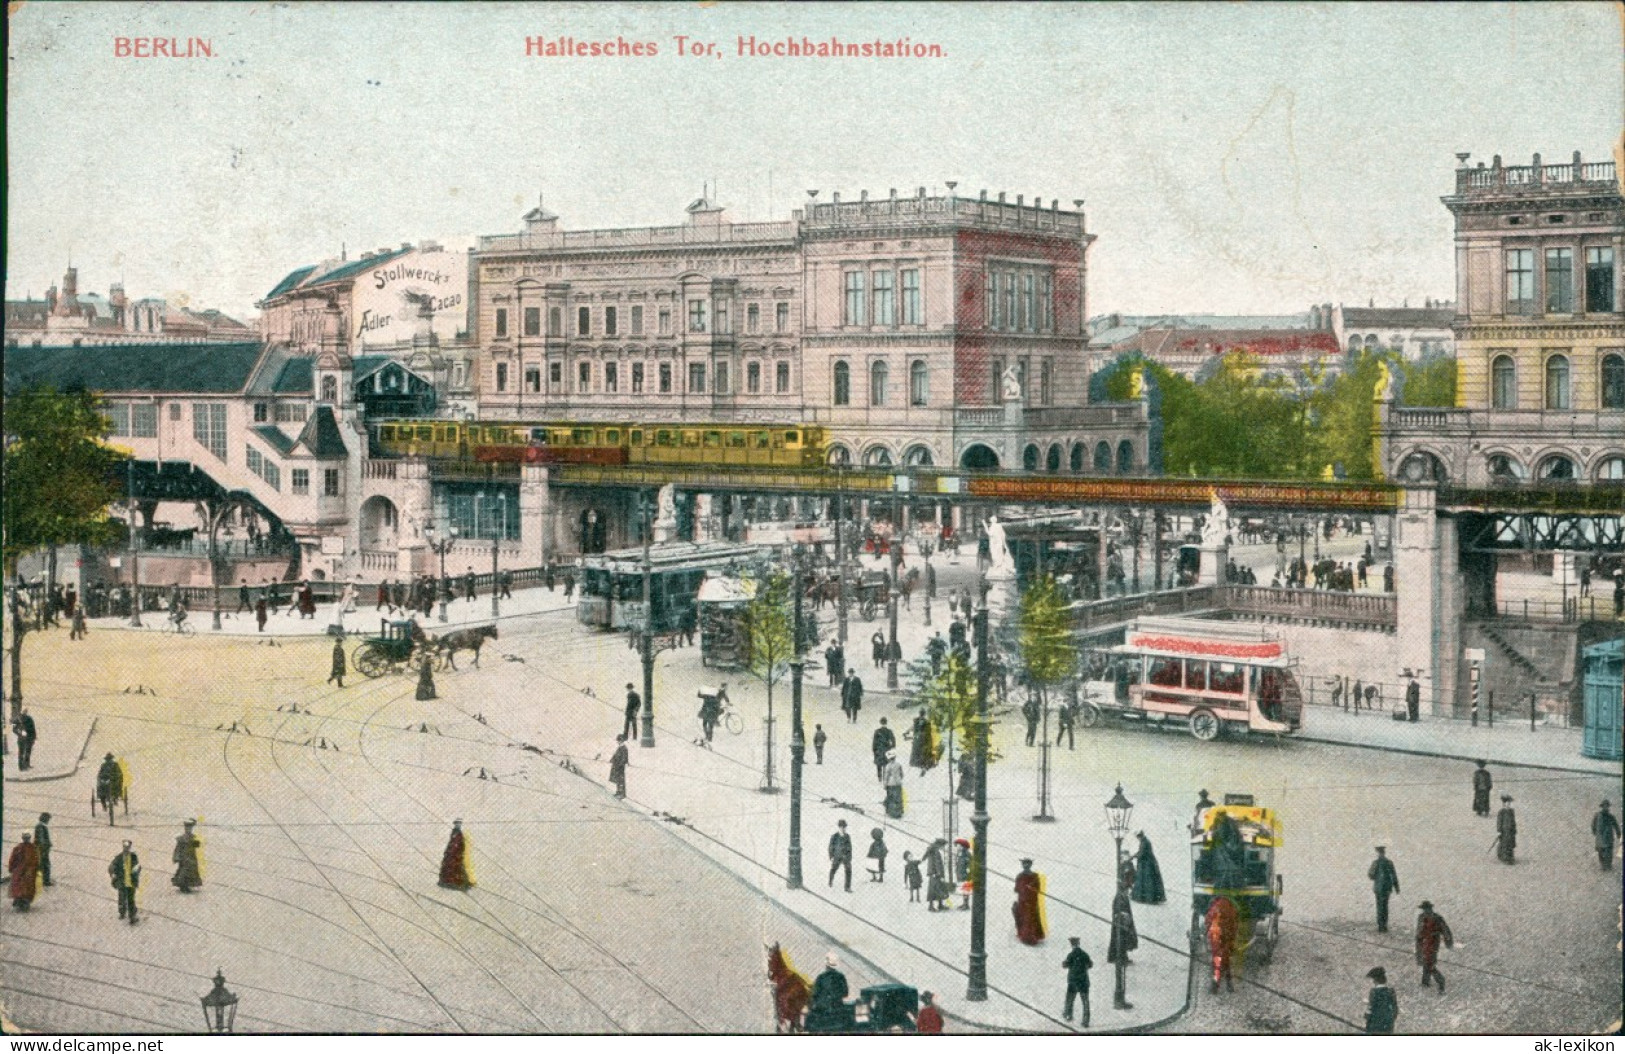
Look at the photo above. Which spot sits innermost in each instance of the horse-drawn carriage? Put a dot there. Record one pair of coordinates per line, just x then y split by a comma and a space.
878, 1008
1235, 890
401, 644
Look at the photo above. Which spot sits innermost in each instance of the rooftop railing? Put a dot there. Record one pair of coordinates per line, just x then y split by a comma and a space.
1498, 176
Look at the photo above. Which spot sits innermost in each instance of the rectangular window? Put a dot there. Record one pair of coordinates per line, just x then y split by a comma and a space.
555, 322
696, 378
330, 482
301, 481
992, 296
610, 321
119, 415
583, 321
637, 374
1022, 373
533, 378
883, 299
912, 315
458, 374
637, 320
722, 378
1007, 286
781, 317
853, 315
665, 377
781, 377
260, 413
555, 376
1046, 303
1046, 378
1599, 279
144, 420
1520, 281
209, 427
255, 463
753, 318
583, 376
1029, 317
1559, 281
724, 318
502, 322
696, 316
533, 321
286, 412
753, 378
612, 371
665, 322
174, 411
502, 376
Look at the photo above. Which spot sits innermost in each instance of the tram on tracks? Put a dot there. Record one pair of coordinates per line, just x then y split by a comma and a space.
1236, 890
611, 594
602, 443
1211, 677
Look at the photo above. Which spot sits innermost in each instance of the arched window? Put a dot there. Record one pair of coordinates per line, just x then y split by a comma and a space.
843, 383
1077, 457
1052, 460
1125, 458
330, 389
877, 456
1370, 340
1103, 457
1611, 470
1029, 457
1421, 467
979, 455
1613, 382
1557, 468
839, 455
878, 375
1354, 342
1557, 383
1503, 383
1504, 469
917, 456
919, 383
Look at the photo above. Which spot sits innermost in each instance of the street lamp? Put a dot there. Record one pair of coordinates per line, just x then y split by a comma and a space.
441, 547
135, 566
219, 1006
502, 528
647, 738
976, 988
798, 738
1118, 811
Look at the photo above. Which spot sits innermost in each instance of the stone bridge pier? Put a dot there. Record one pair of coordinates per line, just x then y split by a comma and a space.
1430, 600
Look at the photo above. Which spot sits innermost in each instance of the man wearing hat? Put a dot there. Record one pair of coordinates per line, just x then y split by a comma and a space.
1603, 826
109, 784
1382, 1007
1481, 790
1431, 929
1506, 831
881, 745
840, 854
125, 871
1413, 699
827, 1009
1384, 883
42, 841
1077, 965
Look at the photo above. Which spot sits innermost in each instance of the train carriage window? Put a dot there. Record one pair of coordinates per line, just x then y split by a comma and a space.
713, 439
665, 437
792, 438
386, 433
736, 439
759, 440
690, 437
635, 436
538, 435
778, 440
581, 436
426, 433
1227, 677
1164, 673
612, 436
1196, 674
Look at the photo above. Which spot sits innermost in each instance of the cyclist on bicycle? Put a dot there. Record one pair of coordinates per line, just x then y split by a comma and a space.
711, 707
177, 613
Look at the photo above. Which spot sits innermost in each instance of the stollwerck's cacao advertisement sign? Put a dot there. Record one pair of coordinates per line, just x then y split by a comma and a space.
390, 298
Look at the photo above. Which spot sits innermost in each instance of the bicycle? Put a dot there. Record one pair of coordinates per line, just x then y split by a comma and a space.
179, 626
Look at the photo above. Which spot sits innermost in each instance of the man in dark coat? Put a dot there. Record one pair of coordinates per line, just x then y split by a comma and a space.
877, 649
617, 766
938, 890
426, 689
1147, 874
336, 673
883, 743
1431, 930
820, 737
1384, 883
634, 703
967, 776
1063, 726
1124, 939
834, 663
1382, 1010
468, 585
42, 842
109, 785
1077, 965
852, 695
1481, 790
26, 732
260, 614
1506, 831
1604, 829
245, 599
125, 871
826, 1007
1032, 713
1413, 699
840, 854
188, 874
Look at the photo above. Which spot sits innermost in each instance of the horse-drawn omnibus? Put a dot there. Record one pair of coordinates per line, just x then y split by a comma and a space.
612, 583
1212, 677
1235, 889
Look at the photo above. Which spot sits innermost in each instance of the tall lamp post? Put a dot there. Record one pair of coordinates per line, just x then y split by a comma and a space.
441, 547
135, 557
1118, 811
501, 501
894, 592
647, 739
976, 989
798, 738
219, 1006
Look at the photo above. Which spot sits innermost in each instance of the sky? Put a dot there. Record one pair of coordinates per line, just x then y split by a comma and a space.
1233, 158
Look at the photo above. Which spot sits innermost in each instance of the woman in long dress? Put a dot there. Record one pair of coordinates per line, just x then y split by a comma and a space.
1147, 874
454, 862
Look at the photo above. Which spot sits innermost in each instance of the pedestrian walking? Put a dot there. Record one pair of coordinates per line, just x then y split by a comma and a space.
1124, 939
1384, 883
891, 777
1431, 931
1481, 790
42, 842
877, 648
634, 703
1358, 693
188, 870
245, 598
962, 865
1063, 724
877, 853
819, 739
125, 871
454, 871
1506, 831
1032, 713
1028, 907
834, 663
937, 889
840, 854
24, 868
1147, 887
27, 732
688, 620
923, 749
617, 765
928, 1022
1604, 829
966, 777
1077, 965
1413, 699
260, 614
468, 585
881, 745
338, 669
852, 696
505, 585
1382, 1006
912, 879
426, 690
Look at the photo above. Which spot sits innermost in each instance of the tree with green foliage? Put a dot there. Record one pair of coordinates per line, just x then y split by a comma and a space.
770, 621
1429, 381
1048, 652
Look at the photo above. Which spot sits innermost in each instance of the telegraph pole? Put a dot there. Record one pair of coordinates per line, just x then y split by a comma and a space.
976, 990
798, 743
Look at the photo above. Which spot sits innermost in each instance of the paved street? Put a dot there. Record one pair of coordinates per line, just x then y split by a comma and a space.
587, 909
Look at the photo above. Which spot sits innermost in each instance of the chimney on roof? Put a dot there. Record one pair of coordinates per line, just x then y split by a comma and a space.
1001, 197
921, 194
836, 197
1019, 198
863, 195
984, 195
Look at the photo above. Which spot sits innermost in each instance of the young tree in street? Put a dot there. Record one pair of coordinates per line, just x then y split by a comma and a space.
771, 624
1049, 655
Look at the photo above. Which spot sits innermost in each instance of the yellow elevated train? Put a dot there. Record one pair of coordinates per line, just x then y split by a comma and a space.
601, 443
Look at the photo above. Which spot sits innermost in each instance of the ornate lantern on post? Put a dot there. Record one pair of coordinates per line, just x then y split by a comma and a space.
1118, 812
219, 1006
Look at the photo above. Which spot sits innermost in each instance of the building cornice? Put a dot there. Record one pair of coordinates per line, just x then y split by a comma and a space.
1546, 330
